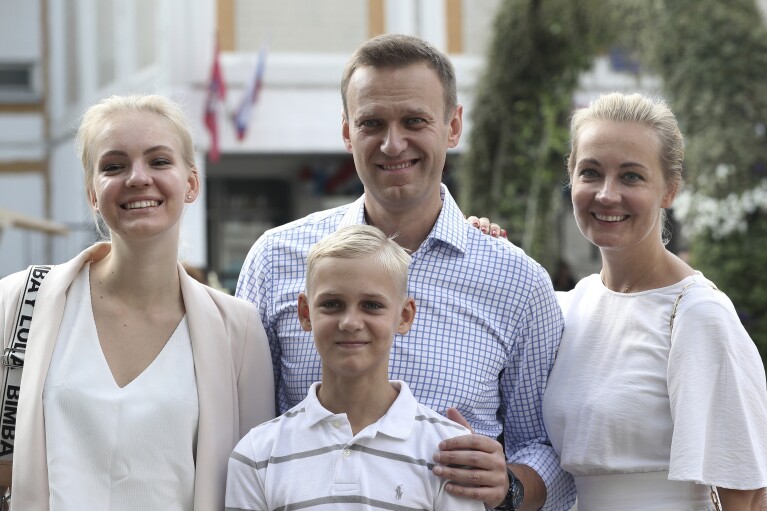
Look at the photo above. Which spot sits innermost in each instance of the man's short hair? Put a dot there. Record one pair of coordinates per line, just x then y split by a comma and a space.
397, 51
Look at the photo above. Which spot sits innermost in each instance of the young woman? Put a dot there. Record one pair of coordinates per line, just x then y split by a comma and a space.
138, 380
657, 395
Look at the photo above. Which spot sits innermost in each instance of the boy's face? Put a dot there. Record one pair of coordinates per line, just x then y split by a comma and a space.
354, 310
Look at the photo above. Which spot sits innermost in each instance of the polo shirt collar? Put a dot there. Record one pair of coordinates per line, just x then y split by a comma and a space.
450, 227
398, 421
315, 412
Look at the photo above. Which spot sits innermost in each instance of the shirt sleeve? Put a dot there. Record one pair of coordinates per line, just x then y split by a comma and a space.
718, 396
255, 285
244, 487
522, 386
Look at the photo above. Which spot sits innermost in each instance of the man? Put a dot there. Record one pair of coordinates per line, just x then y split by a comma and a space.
488, 326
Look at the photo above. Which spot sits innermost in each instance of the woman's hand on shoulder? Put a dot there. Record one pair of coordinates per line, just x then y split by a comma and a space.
486, 226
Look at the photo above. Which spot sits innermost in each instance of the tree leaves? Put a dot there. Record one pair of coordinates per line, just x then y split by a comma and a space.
523, 101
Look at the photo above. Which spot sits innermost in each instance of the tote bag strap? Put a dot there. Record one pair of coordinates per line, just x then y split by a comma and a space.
13, 362
714, 494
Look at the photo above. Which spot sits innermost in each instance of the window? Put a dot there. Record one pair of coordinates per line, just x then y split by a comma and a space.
17, 82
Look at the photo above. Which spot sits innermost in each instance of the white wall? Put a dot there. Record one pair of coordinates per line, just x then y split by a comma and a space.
301, 26
22, 137
19, 30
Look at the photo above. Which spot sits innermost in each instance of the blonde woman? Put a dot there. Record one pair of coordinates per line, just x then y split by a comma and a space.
138, 380
657, 396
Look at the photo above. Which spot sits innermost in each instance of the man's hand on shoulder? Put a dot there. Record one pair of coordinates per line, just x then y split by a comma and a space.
474, 464
475, 467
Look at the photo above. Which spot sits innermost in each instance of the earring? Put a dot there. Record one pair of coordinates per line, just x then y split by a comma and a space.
189, 196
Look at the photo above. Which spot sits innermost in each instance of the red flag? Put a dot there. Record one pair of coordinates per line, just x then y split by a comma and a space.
216, 94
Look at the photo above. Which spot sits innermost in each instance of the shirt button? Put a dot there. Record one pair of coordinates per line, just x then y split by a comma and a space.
336, 424
347, 452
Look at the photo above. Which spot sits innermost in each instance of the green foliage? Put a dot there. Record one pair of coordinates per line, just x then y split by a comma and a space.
736, 264
519, 134
712, 56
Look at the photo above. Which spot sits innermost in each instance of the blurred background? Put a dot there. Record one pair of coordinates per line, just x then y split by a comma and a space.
259, 81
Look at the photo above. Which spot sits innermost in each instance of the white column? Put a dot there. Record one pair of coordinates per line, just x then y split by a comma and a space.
87, 51
422, 18
432, 19
401, 17
125, 43
194, 240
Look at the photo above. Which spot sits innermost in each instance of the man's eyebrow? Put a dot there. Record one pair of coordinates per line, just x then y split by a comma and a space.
373, 111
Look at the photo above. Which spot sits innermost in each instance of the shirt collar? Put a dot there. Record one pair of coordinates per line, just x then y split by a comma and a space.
315, 412
451, 224
355, 213
450, 227
397, 422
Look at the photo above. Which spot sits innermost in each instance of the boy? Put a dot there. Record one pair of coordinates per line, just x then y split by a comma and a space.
358, 440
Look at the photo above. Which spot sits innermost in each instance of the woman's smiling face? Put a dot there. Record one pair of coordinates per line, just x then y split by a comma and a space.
618, 185
141, 183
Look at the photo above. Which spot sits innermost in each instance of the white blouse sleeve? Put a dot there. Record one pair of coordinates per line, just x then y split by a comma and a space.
718, 394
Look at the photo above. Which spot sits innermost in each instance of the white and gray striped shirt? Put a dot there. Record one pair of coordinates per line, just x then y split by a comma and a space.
308, 459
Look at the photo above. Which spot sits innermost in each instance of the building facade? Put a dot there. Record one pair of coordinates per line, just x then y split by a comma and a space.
291, 160
59, 56
24, 184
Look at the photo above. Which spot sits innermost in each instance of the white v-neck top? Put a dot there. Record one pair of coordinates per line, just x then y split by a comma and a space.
112, 448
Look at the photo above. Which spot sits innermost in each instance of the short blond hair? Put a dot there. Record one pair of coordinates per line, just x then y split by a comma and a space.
360, 241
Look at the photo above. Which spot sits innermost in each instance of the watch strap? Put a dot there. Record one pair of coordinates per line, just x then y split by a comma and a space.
516, 494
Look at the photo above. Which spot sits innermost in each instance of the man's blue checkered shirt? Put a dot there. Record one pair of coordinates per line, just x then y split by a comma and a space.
485, 335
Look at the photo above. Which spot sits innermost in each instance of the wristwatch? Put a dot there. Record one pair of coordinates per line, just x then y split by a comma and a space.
515, 495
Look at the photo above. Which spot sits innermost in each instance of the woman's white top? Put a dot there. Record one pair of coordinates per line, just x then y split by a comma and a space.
643, 418
112, 448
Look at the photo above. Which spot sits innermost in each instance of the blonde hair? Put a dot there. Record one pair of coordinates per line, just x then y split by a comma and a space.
359, 241
639, 109
97, 116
